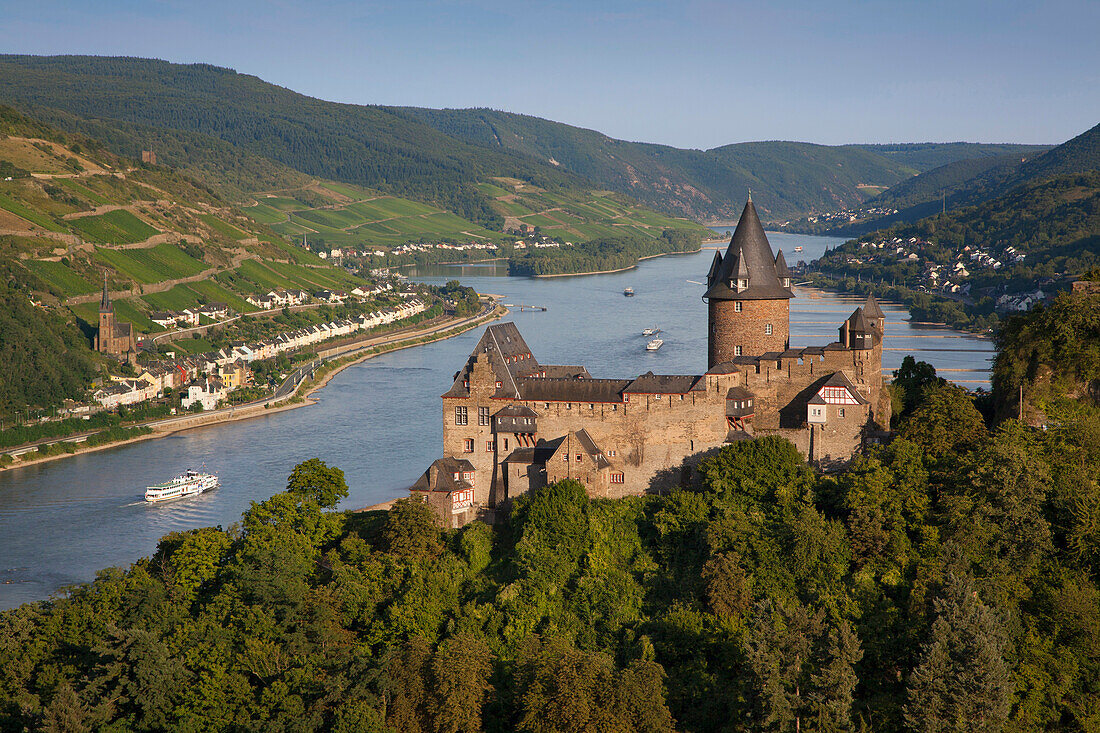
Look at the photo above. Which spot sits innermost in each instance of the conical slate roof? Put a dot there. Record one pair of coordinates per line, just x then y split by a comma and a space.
857, 323
748, 257
781, 268
871, 308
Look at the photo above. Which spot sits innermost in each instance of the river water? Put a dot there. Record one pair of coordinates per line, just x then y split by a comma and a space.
380, 421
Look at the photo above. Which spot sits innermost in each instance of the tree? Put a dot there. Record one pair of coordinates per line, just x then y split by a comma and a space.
945, 422
460, 670
962, 683
729, 591
778, 644
911, 379
411, 530
314, 480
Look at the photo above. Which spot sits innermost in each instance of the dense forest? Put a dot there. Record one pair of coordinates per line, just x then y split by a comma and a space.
598, 255
945, 582
44, 358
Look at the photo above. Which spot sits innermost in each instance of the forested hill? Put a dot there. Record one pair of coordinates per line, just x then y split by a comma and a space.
435, 155
973, 181
363, 145
791, 178
945, 582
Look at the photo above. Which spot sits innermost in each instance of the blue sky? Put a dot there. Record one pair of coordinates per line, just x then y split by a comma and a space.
694, 73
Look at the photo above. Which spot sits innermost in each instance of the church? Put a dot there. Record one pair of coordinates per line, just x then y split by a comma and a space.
115, 338
512, 423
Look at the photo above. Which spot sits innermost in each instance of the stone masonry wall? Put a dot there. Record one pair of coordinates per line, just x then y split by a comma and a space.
747, 329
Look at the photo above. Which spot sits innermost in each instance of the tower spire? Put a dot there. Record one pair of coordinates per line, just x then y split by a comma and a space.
105, 301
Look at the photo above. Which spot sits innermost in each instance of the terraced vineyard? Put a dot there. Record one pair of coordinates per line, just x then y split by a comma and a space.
156, 264
576, 218
114, 227
343, 215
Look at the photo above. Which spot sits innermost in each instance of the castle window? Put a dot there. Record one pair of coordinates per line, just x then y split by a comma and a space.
611, 453
767, 329
565, 457
505, 444
569, 405
456, 475
840, 412
547, 405
614, 408
591, 406
499, 384
488, 446
468, 476
656, 396
468, 445
578, 458
617, 477
737, 351
483, 416
460, 416
737, 306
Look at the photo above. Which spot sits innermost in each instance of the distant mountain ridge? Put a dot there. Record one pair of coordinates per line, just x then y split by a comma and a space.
975, 181
438, 155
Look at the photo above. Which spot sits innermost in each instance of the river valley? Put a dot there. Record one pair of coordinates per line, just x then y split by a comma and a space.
380, 420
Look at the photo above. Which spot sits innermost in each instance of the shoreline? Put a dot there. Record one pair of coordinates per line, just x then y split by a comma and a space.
621, 269
269, 407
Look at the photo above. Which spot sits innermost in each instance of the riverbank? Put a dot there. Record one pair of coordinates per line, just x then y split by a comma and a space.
298, 397
623, 269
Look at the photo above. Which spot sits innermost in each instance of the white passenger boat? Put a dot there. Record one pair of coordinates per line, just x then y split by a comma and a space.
629, 292
651, 331
654, 344
188, 483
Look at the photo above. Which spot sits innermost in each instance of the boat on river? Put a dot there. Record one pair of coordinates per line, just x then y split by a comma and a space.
629, 292
188, 483
654, 344
651, 331
798, 248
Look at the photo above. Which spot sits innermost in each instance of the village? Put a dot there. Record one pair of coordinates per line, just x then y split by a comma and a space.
209, 379
949, 271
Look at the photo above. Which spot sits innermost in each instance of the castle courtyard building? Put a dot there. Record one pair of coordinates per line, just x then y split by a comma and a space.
516, 424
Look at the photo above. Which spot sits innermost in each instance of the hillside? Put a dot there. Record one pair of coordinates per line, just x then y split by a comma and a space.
927, 156
73, 212
1032, 238
793, 178
973, 181
435, 156
363, 145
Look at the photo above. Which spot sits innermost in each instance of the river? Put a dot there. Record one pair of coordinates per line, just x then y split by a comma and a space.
380, 420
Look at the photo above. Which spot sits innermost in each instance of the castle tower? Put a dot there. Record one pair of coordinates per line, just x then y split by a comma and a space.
748, 295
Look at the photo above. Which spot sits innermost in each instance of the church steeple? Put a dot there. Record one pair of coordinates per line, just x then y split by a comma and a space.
105, 301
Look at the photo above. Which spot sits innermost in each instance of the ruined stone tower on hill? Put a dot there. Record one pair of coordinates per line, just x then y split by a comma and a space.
748, 295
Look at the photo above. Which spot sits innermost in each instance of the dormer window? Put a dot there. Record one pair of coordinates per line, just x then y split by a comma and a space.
786, 282
742, 284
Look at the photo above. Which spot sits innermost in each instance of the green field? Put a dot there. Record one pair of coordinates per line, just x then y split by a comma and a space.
265, 214
82, 190
162, 262
114, 227
60, 277
191, 345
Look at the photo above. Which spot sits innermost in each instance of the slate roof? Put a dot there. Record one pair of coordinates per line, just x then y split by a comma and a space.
540, 453
440, 476
559, 371
590, 447
650, 383
509, 356
871, 308
573, 390
749, 256
857, 323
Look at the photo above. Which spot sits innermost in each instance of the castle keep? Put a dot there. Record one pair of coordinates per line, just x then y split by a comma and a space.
512, 423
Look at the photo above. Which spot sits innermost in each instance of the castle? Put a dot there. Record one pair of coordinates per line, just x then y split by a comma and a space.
512, 424
115, 338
